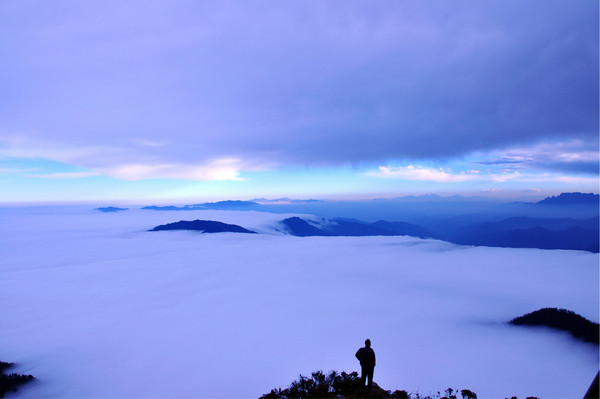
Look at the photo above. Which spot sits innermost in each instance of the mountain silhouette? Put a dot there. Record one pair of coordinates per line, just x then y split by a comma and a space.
11, 382
535, 237
205, 226
567, 221
333, 227
571, 199
561, 319
575, 234
301, 228
231, 205
110, 209
522, 232
222, 205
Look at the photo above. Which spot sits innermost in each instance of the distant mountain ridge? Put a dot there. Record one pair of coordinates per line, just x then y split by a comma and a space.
571, 199
332, 227
534, 237
515, 233
567, 221
233, 205
223, 205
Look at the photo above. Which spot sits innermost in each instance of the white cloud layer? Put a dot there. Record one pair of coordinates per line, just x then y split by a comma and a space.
96, 306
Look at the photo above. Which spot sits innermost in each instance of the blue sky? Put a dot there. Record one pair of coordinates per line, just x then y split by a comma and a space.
182, 101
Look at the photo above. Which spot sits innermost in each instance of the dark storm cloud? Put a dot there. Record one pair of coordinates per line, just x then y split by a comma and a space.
299, 82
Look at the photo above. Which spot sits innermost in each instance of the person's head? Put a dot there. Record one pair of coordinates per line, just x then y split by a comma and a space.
368, 343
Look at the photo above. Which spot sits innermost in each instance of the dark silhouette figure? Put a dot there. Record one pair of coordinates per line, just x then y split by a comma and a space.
366, 357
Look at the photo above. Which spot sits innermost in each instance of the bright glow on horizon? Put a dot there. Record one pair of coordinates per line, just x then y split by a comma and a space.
496, 174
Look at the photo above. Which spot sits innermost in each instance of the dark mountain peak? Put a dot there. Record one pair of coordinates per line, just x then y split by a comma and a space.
349, 228
571, 199
561, 319
297, 226
205, 226
109, 209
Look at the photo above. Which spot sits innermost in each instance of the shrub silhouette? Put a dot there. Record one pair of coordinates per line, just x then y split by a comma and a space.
346, 385
466, 394
320, 385
10, 382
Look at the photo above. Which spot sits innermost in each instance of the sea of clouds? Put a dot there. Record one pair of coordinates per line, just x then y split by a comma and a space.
94, 305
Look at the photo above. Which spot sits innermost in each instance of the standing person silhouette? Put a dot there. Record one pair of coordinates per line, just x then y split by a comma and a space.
366, 357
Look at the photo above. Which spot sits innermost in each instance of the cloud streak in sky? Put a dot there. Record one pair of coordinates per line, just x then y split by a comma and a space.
221, 169
421, 173
297, 83
569, 156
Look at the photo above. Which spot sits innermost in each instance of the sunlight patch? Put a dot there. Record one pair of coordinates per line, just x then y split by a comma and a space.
221, 169
412, 172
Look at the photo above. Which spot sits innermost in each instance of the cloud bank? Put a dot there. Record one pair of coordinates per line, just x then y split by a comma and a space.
104, 308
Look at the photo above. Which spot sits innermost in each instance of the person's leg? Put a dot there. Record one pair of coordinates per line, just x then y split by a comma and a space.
363, 375
370, 375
